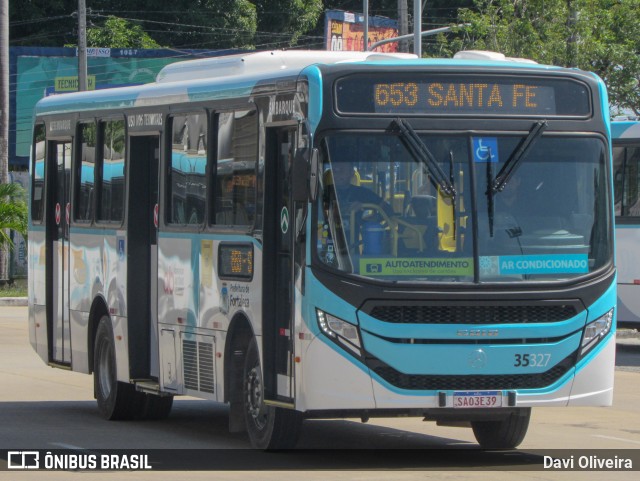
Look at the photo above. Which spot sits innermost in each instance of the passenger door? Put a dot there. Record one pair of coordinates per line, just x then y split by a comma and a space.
58, 247
142, 269
278, 266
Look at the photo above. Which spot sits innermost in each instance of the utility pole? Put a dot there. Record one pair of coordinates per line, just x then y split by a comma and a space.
417, 28
82, 45
572, 41
365, 31
403, 25
4, 116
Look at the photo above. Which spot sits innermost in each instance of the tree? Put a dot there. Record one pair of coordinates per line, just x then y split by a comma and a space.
13, 212
602, 36
42, 23
119, 33
282, 23
614, 49
213, 24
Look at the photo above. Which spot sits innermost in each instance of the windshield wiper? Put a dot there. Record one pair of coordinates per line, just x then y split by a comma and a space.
490, 204
453, 196
517, 156
421, 153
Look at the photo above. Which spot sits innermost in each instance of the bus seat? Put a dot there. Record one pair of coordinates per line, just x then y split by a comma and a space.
398, 203
423, 206
232, 217
178, 214
355, 179
327, 178
230, 213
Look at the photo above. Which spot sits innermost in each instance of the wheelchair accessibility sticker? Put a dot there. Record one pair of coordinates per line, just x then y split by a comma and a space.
485, 149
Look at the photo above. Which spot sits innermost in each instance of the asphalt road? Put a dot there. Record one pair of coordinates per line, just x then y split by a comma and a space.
49, 409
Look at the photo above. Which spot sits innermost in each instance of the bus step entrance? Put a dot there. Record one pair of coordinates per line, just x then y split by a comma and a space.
150, 387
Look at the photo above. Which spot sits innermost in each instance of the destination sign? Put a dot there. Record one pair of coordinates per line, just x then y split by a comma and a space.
235, 261
462, 95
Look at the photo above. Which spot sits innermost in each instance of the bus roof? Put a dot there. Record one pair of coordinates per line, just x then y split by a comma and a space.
265, 63
627, 129
235, 76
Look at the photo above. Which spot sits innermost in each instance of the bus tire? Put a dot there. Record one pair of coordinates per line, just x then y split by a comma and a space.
116, 400
269, 427
507, 433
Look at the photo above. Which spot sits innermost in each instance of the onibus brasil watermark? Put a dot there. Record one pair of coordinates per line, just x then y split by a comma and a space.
76, 461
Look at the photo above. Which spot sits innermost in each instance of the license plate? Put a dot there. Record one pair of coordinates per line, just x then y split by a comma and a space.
477, 399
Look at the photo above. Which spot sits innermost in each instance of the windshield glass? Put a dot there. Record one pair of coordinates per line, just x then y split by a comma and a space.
400, 206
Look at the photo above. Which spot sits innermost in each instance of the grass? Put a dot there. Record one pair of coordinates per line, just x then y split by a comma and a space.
17, 288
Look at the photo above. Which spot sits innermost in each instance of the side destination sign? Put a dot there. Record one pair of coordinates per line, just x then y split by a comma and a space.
416, 267
144, 121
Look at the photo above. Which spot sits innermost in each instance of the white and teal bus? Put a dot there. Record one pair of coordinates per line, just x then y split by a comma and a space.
626, 184
321, 234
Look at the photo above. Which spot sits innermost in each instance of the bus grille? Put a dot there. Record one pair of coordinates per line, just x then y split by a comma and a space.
474, 314
190, 366
430, 382
198, 366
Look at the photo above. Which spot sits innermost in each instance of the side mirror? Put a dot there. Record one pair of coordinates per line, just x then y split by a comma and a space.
299, 175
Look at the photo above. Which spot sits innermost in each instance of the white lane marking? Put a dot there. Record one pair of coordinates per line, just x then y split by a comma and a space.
616, 439
70, 446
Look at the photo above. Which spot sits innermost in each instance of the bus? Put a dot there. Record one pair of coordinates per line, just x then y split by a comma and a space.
307, 235
626, 181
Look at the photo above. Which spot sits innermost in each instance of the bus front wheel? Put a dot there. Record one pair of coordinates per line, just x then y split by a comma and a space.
116, 400
268, 427
506, 433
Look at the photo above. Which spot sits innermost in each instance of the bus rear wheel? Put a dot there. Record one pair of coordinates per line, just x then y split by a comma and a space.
156, 407
268, 427
116, 400
506, 433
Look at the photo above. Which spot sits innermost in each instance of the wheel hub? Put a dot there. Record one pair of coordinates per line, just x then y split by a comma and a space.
255, 401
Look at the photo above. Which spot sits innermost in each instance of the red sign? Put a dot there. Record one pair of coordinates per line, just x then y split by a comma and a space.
155, 216
57, 214
345, 31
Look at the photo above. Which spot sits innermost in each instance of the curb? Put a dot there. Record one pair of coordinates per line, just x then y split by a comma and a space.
13, 301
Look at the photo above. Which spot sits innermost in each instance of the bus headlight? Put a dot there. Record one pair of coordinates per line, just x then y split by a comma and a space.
342, 332
595, 331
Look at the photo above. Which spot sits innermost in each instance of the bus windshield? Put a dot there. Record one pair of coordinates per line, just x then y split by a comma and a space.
463, 207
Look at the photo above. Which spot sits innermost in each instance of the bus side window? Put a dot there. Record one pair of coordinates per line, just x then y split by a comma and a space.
235, 198
626, 160
37, 173
186, 172
85, 188
111, 186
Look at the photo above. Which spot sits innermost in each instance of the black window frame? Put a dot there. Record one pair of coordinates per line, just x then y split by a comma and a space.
167, 217
39, 220
77, 172
98, 177
214, 177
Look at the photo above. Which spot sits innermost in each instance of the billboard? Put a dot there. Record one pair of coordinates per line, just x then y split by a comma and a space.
344, 31
37, 72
